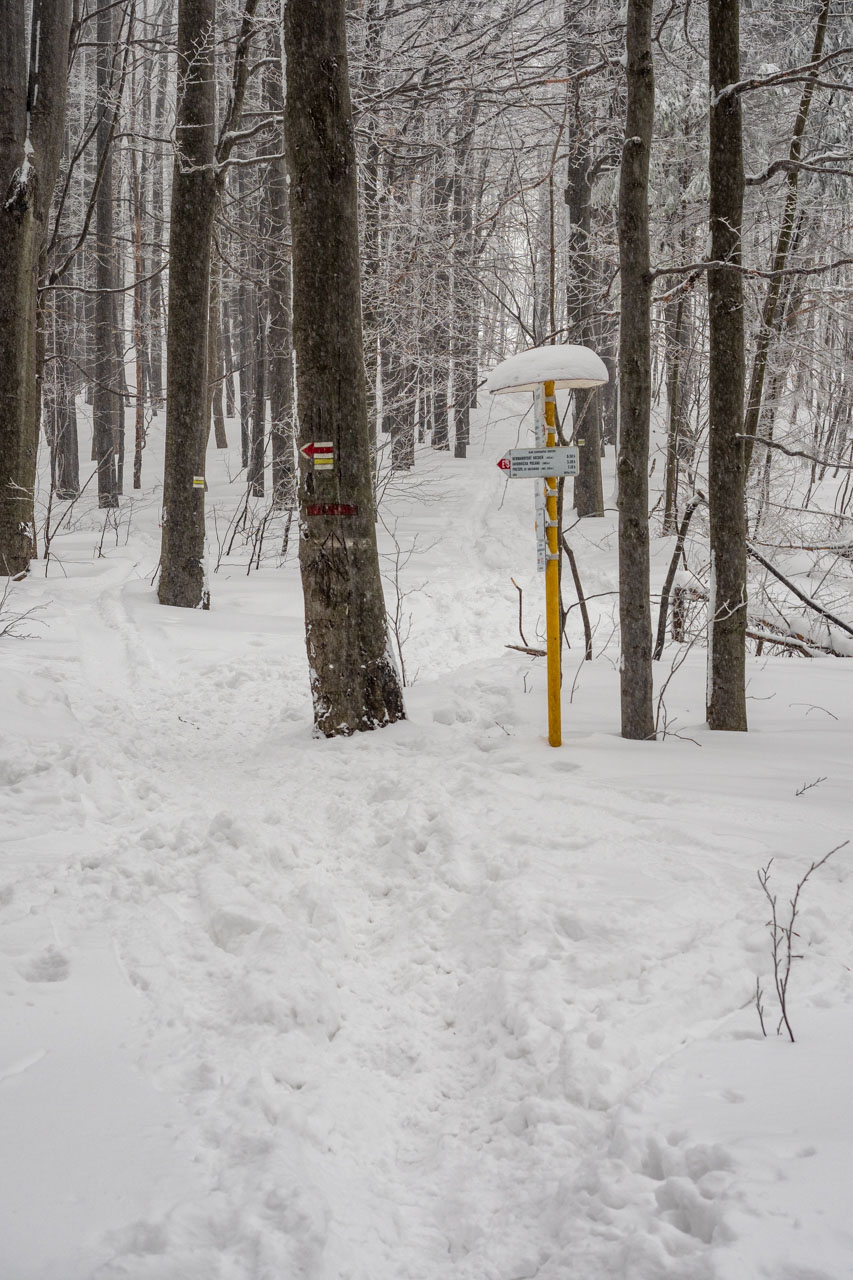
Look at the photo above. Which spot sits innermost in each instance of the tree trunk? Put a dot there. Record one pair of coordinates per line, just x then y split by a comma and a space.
65, 468
726, 697
369, 180
140, 329
227, 352
194, 194
588, 494
280, 341
245, 335
214, 365
769, 323
354, 682
32, 112
107, 406
464, 291
155, 296
676, 329
443, 194
635, 388
255, 475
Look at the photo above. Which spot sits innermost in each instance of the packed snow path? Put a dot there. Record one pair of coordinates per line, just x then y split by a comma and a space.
435, 1003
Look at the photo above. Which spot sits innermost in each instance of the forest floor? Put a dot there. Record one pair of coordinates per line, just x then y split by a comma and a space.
433, 1003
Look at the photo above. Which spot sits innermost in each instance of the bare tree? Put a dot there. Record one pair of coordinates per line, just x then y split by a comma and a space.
196, 184
727, 616
182, 576
354, 682
34, 42
635, 383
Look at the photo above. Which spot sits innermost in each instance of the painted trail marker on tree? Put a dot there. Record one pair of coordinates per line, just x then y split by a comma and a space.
544, 370
320, 452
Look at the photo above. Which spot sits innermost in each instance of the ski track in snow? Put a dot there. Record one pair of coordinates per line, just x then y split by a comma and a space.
408, 1007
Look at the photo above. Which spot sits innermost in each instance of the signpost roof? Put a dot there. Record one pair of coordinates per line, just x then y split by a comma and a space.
564, 365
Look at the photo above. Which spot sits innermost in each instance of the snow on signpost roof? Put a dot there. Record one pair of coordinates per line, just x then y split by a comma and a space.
564, 365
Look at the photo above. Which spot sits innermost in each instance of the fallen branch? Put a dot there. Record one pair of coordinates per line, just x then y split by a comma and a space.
522, 648
789, 642
801, 595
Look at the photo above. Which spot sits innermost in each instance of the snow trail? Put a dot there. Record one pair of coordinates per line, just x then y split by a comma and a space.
417, 1005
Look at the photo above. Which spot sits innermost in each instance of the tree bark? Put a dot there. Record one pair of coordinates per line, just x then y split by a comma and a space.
214, 364
194, 194
635, 384
588, 495
62, 418
726, 695
769, 323
280, 341
32, 112
107, 405
155, 296
257, 451
354, 682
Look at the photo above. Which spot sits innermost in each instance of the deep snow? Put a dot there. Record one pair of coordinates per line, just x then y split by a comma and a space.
433, 1003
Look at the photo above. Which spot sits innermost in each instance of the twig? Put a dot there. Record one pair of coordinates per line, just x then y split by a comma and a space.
782, 935
587, 630
520, 613
660, 640
797, 453
807, 786
759, 1006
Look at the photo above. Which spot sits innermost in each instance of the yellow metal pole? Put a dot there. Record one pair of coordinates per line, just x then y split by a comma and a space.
552, 580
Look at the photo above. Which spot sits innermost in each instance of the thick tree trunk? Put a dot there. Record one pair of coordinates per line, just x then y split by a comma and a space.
354, 682
726, 695
635, 390
194, 195
32, 112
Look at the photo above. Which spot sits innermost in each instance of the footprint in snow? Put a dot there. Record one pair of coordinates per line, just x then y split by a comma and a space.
50, 965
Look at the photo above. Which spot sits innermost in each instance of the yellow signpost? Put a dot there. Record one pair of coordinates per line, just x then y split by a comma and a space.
549, 368
552, 580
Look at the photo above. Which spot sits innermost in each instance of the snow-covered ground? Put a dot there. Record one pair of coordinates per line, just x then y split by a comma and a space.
433, 1003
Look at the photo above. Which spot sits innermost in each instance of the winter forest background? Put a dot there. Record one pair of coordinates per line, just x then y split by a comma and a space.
435, 1000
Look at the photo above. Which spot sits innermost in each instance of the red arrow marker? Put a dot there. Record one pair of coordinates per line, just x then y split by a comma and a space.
317, 449
504, 464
